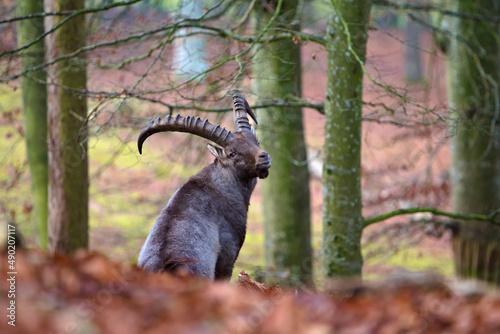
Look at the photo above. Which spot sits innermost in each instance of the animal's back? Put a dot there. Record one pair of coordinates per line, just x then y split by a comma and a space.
185, 239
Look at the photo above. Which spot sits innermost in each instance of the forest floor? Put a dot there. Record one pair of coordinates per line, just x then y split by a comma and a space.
88, 293
401, 166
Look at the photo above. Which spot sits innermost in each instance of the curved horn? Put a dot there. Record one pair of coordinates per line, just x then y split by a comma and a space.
196, 126
240, 111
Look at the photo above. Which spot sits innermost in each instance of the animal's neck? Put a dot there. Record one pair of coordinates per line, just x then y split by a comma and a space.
230, 183
248, 187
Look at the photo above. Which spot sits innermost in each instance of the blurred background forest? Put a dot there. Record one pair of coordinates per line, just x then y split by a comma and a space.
151, 58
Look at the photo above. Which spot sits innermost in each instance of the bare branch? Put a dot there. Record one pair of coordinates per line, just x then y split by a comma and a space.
171, 28
430, 8
70, 12
491, 218
72, 15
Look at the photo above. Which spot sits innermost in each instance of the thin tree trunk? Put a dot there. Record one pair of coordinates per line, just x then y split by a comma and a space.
277, 72
473, 68
34, 94
189, 52
68, 161
413, 47
342, 220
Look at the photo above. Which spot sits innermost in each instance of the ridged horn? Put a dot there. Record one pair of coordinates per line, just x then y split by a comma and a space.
240, 111
196, 126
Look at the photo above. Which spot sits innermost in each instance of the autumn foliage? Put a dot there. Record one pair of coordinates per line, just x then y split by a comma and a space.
88, 293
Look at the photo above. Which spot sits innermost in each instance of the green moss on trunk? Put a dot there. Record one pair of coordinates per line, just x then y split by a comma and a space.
342, 220
68, 182
34, 96
277, 73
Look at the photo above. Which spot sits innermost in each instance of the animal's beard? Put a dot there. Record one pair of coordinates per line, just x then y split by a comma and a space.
262, 173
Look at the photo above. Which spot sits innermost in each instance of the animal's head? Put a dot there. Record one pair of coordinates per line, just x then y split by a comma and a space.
239, 151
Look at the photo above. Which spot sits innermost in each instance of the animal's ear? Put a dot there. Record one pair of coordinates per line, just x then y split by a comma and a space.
216, 151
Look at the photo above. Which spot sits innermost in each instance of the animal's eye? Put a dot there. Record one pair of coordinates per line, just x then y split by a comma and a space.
231, 154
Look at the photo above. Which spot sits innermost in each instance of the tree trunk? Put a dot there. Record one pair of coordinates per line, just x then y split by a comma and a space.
189, 52
413, 47
34, 95
342, 220
68, 162
473, 69
277, 71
